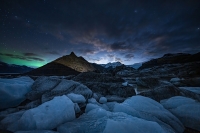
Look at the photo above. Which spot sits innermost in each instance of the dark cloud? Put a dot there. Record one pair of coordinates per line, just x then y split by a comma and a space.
86, 51
53, 52
22, 57
121, 46
118, 60
96, 27
36, 58
30, 54
129, 56
110, 55
94, 60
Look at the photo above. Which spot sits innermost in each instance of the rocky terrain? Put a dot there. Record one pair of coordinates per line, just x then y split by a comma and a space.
162, 96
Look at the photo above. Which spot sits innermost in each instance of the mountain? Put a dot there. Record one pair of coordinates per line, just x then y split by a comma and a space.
99, 68
136, 65
11, 68
172, 59
66, 65
53, 68
77, 63
113, 65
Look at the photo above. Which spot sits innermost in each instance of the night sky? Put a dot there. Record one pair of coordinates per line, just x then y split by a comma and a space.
35, 32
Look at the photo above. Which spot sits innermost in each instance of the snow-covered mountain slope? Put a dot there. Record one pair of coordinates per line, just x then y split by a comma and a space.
113, 64
136, 65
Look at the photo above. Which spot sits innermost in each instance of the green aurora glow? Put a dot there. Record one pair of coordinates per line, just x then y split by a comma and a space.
33, 64
16, 61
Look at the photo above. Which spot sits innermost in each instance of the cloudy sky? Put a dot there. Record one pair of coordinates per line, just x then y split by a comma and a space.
35, 32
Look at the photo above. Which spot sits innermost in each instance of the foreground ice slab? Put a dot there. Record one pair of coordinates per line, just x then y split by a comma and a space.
46, 88
186, 109
37, 131
103, 100
132, 125
91, 106
12, 91
148, 109
41, 85
44, 117
76, 98
102, 121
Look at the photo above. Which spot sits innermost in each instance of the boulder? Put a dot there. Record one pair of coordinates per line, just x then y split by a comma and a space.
91, 106
65, 87
46, 88
37, 131
162, 92
99, 120
41, 85
76, 98
167, 90
193, 89
110, 105
77, 108
175, 80
92, 100
95, 96
13, 91
186, 109
5, 112
10, 119
103, 100
47, 116
132, 125
148, 82
148, 109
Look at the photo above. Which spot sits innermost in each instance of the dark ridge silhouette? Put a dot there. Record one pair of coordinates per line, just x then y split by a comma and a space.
53, 68
171, 59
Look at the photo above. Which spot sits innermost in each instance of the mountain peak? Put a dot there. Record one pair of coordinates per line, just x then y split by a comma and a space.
79, 64
113, 64
72, 54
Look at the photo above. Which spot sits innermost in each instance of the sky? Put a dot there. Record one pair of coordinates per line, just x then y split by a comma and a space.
35, 32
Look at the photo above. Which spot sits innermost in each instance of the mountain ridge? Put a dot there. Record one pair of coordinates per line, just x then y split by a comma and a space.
12, 68
171, 59
77, 63
65, 65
